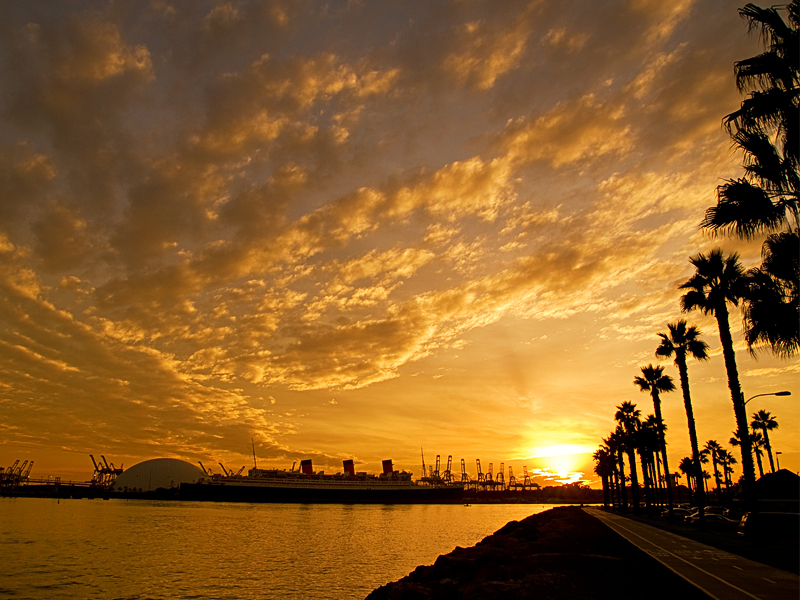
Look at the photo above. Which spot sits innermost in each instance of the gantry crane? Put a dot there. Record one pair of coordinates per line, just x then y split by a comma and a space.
526, 482
15, 474
105, 474
447, 476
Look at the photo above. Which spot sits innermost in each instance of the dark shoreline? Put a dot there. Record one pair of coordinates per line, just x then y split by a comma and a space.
560, 553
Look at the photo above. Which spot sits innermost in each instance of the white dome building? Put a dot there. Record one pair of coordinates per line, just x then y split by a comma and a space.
150, 475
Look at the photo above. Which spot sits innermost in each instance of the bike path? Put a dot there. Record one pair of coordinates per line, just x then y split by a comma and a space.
721, 575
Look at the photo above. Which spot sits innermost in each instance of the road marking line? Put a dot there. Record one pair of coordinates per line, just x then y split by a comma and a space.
765, 579
745, 592
735, 567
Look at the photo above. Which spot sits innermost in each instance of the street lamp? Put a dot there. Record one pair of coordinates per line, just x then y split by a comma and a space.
746, 445
778, 458
783, 393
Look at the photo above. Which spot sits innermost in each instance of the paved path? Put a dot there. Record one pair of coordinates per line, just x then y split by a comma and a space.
721, 575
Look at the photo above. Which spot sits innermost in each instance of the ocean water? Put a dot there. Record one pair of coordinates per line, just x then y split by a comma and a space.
136, 549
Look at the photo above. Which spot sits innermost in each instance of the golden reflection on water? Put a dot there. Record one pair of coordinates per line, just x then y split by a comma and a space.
148, 549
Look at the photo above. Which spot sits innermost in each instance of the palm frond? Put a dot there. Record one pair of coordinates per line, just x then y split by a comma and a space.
653, 378
770, 110
780, 258
695, 300
698, 349
742, 209
772, 29
765, 70
771, 315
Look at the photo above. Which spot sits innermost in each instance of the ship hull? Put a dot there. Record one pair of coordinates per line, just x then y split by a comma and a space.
374, 494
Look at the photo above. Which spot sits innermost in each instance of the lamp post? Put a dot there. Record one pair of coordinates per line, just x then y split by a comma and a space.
783, 393
747, 447
778, 458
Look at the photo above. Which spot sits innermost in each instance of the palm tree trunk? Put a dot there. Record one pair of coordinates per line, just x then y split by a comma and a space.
659, 480
663, 444
737, 398
655, 472
634, 481
645, 478
760, 466
769, 449
623, 491
716, 472
687, 403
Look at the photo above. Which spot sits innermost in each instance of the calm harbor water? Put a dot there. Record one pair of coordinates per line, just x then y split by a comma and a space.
158, 550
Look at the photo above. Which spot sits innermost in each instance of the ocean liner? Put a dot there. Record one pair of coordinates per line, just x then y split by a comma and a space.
305, 485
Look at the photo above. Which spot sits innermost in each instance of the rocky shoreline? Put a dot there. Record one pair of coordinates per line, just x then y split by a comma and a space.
560, 553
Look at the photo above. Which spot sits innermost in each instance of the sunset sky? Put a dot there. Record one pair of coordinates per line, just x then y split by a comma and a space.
358, 229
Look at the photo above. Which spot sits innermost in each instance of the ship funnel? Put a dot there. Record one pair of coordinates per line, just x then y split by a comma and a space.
349, 467
388, 469
306, 468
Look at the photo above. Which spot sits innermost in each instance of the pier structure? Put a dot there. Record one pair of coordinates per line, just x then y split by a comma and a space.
16, 480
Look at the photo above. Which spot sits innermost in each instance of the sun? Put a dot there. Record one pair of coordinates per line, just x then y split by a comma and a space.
562, 460
564, 464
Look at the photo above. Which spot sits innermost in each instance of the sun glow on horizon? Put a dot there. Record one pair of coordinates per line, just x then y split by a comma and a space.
559, 450
562, 463
556, 476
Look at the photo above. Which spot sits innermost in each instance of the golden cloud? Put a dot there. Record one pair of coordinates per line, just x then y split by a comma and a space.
485, 55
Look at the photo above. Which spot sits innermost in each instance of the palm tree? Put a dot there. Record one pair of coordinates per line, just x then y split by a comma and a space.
757, 442
717, 281
605, 469
765, 199
706, 477
687, 467
712, 449
772, 308
704, 473
616, 444
761, 200
681, 342
726, 459
647, 446
765, 422
628, 417
654, 381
